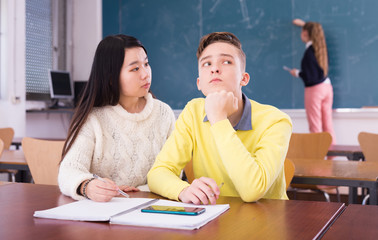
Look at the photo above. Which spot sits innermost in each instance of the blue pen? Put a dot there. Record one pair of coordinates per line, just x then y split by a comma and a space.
119, 190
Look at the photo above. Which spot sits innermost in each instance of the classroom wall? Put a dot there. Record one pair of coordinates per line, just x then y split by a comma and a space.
171, 30
12, 95
86, 34
348, 122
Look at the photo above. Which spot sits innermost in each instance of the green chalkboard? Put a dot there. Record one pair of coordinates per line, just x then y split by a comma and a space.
171, 30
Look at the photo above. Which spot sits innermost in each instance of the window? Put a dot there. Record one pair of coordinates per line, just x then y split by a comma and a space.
45, 44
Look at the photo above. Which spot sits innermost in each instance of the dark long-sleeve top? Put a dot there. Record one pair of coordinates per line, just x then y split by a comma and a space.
311, 72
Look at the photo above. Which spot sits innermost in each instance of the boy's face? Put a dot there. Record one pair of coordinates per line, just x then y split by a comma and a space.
219, 68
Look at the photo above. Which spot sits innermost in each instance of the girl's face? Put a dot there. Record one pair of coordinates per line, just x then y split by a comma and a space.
135, 76
304, 36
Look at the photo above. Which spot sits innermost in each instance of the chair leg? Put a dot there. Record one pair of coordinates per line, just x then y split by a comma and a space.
11, 177
326, 195
366, 198
338, 195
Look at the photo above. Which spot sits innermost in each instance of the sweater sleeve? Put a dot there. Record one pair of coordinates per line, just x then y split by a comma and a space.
163, 178
253, 173
75, 167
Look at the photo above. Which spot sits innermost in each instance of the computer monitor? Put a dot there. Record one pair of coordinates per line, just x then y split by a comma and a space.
61, 87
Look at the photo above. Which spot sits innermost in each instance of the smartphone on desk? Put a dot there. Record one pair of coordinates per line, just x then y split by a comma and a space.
191, 211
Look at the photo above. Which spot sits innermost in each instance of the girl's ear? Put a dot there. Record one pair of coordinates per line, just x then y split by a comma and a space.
245, 79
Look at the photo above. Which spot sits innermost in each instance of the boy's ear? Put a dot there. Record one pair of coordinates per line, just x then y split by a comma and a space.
245, 79
198, 86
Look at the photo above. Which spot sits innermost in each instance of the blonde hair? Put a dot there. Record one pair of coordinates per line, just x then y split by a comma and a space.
316, 35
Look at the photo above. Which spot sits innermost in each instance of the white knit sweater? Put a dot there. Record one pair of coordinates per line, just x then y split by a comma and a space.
118, 145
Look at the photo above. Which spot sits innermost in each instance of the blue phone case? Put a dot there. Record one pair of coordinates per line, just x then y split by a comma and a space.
179, 212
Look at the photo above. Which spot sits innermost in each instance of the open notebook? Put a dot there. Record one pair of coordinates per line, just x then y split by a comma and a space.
127, 211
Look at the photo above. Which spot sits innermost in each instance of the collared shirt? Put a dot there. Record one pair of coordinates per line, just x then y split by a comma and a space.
308, 44
245, 122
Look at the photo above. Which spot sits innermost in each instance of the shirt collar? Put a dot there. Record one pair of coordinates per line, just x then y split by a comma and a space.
245, 122
308, 44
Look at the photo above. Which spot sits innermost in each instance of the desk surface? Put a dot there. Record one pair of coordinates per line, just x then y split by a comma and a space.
338, 173
266, 219
356, 222
13, 157
335, 169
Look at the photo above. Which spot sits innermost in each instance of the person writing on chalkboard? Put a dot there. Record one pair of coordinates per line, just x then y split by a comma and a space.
318, 94
118, 127
234, 142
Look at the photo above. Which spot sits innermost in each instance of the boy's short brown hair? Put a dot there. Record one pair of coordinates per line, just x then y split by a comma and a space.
225, 37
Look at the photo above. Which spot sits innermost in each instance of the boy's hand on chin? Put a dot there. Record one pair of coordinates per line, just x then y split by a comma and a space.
220, 105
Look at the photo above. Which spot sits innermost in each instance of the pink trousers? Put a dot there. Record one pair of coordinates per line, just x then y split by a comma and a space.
318, 104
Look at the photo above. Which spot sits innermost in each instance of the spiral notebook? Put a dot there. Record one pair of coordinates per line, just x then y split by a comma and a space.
127, 211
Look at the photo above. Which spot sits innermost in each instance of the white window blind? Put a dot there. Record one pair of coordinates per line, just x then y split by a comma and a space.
39, 49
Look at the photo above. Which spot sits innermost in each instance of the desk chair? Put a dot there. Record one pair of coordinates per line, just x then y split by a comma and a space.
43, 157
6, 135
188, 170
289, 171
314, 146
1, 146
369, 146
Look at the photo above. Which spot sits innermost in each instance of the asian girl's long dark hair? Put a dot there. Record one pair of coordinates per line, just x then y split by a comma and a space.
103, 87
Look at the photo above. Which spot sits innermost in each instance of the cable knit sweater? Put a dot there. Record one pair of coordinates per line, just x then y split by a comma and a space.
118, 145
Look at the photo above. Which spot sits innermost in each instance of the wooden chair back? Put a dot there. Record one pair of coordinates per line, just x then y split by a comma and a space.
369, 145
309, 145
289, 171
188, 170
43, 157
1, 147
7, 134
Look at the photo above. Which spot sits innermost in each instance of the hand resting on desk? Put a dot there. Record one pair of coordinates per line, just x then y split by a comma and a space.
203, 190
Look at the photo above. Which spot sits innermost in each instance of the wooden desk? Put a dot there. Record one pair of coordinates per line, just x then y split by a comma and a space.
266, 219
356, 222
338, 173
17, 141
5, 183
15, 159
352, 152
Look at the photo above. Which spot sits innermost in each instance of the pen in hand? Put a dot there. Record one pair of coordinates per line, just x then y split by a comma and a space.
119, 190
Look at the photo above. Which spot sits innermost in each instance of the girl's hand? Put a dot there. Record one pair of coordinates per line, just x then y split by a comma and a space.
299, 22
101, 190
294, 72
128, 188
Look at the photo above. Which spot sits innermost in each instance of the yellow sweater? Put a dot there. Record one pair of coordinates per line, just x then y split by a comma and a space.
250, 163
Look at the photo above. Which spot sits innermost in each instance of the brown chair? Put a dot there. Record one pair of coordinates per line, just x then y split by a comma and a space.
311, 146
1, 147
369, 146
188, 170
43, 157
289, 171
7, 134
